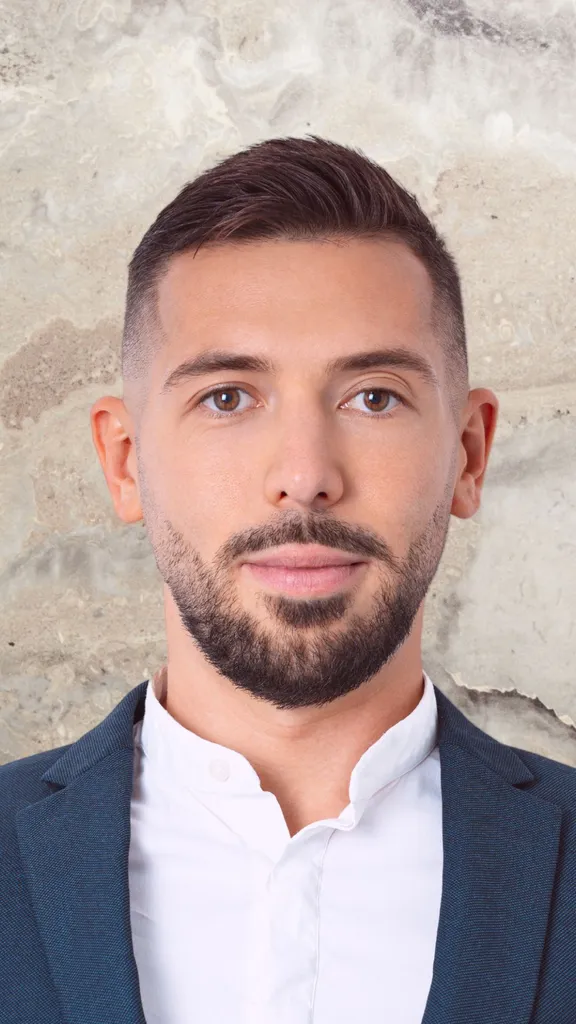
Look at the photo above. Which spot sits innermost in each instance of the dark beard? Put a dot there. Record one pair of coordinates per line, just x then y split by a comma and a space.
288, 669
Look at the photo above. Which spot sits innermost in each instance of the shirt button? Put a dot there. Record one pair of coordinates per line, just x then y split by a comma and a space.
220, 770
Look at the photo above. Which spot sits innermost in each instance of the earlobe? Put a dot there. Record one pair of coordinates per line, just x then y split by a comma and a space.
112, 434
466, 500
477, 434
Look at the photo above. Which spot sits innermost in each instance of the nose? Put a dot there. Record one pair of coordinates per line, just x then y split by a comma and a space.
305, 472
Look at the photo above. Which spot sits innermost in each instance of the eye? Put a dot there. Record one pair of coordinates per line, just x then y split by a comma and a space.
225, 397
384, 400
227, 403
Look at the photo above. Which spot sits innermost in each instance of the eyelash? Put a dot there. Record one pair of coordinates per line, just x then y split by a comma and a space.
230, 387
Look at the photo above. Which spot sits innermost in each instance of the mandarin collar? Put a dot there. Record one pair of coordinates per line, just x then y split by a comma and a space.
202, 765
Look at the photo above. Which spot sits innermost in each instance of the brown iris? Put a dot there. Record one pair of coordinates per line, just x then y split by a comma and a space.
378, 391
226, 406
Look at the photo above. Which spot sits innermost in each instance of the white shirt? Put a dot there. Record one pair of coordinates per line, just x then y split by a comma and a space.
235, 921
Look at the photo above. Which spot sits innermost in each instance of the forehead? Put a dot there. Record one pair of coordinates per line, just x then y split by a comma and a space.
297, 299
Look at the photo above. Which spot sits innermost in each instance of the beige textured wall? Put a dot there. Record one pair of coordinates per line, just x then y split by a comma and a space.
106, 108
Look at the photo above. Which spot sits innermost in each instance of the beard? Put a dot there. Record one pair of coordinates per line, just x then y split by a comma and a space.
290, 667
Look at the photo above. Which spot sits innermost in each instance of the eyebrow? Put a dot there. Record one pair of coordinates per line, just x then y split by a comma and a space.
218, 361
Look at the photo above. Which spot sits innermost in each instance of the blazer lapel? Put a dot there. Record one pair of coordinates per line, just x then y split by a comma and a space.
500, 850
74, 844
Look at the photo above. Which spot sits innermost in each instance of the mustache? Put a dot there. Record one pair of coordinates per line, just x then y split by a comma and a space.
316, 528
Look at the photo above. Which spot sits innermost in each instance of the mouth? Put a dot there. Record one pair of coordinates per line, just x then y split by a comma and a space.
305, 570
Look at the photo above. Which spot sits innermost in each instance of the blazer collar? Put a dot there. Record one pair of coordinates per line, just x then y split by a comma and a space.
454, 728
500, 853
110, 735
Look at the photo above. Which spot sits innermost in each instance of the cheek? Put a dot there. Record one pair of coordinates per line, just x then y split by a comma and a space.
401, 492
202, 485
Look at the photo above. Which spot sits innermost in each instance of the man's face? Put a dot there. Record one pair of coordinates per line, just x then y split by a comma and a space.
233, 462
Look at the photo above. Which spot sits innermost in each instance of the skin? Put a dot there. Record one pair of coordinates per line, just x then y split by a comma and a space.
298, 448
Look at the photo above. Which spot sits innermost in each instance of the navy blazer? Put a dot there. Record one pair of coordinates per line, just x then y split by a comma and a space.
506, 943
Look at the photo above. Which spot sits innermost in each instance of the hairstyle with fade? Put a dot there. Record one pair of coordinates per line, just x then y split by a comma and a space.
294, 189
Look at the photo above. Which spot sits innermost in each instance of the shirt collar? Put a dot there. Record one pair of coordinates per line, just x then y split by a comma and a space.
398, 750
201, 765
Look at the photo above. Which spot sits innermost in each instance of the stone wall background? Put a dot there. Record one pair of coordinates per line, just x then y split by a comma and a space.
106, 108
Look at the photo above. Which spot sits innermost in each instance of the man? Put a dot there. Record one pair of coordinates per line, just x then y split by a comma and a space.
290, 824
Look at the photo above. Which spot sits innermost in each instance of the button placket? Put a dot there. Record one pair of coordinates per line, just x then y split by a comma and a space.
294, 907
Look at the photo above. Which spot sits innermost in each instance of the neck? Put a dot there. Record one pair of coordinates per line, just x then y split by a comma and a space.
292, 751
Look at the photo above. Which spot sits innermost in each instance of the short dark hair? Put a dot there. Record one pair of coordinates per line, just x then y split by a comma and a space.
297, 189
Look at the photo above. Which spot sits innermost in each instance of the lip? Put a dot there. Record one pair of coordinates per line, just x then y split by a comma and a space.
306, 582
303, 556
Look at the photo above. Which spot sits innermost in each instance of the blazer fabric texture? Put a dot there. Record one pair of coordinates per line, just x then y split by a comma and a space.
506, 942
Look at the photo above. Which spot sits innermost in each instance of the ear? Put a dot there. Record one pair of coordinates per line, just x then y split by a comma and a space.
113, 434
478, 425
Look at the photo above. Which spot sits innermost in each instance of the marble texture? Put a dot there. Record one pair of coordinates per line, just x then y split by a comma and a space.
106, 108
